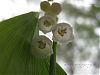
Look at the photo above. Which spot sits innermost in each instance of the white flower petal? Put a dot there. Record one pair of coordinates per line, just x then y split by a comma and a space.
56, 8
46, 23
41, 47
62, 33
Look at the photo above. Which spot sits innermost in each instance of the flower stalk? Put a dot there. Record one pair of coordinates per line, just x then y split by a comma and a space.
53, 60
62, 32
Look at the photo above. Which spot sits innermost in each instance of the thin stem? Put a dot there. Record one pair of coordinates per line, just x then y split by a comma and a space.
53, 60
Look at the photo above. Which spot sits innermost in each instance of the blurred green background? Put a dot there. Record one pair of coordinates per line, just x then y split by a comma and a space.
84, 52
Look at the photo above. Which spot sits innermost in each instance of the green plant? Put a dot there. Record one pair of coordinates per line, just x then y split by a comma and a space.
18, 54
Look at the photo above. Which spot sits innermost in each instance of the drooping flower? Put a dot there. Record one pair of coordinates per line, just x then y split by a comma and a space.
46, 23
45, 6
55, 8
62, 33
41, 47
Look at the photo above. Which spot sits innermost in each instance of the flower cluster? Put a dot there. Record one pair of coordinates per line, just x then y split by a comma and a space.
62, 32
49, 20
41, 47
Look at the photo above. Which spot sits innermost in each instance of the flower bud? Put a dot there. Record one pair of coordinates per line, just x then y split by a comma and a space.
56, 8
46, 23
41, 47
62, 33
45, 6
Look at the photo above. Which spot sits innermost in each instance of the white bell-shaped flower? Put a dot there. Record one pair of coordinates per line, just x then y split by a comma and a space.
41, 47
56, 8
46, 23
45, 6
62, 33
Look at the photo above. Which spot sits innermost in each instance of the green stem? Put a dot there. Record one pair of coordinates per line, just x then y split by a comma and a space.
53, 60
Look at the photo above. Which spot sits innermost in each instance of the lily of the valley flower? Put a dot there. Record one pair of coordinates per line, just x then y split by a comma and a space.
62, 33
46, 23
45, 6
56, 8
41, 47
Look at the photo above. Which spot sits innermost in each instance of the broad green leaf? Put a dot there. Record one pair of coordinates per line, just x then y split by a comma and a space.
15, 44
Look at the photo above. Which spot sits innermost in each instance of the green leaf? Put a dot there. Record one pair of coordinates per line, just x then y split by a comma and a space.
15, 43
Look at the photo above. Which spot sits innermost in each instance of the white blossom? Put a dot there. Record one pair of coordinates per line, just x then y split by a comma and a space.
41, 47
45, 6
56, 8
62, 33
46, 23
